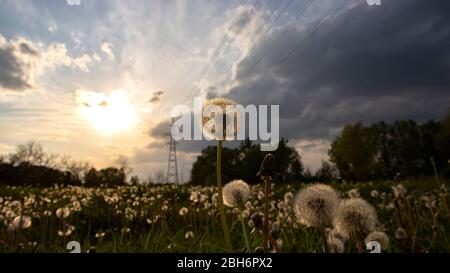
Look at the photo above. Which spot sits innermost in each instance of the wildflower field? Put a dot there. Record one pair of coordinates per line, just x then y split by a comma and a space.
403, 216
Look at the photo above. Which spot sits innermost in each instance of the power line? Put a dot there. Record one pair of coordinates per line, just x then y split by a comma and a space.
277, 40
262, 24
216, 51
313, 32
307, 38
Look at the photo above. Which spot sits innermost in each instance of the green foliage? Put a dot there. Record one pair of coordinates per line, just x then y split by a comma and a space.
244, 162
147, 219
384, 151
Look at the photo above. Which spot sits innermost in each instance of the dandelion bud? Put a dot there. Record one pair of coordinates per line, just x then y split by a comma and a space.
257, 219
267, 168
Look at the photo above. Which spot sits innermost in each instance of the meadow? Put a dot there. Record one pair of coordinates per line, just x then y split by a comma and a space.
411, 216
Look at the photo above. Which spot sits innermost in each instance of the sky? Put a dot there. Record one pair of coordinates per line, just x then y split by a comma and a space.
97, 81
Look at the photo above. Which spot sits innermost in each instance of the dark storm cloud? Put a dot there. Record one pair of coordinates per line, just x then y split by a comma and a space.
367, 64
12, 72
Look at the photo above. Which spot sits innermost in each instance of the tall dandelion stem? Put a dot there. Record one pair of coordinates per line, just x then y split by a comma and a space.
223, 219
244, 232
266, 214
324, 239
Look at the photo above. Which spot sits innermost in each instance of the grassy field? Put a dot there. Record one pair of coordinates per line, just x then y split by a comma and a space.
413, 213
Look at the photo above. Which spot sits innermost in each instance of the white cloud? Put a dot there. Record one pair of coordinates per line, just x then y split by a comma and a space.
107, 47
22, 61
312, 152
52, 29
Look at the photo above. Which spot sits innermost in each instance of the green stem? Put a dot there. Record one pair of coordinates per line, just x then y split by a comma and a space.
324, 240
266, 215
244, 231
436, 172
219, 188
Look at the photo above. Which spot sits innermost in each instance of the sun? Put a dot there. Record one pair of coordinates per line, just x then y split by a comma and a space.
108, 114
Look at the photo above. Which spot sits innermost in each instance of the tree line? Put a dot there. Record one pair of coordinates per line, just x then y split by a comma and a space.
30, 165
383, 151
378, 151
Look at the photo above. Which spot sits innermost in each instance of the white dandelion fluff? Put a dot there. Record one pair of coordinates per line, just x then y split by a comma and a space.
355, 216
21, 222
399, 190
189, 235
374, 193
227, 132
314, 205
62, 213
379, 237
236, 193
183, 211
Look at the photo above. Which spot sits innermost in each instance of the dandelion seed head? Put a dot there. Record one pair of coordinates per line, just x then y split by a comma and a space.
62, 213
314, 205
183, 211
21, 222
400, 234
355, 216
236, 193
227, 133
374, 193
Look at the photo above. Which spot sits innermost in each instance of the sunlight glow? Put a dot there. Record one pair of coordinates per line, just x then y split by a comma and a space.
108, 114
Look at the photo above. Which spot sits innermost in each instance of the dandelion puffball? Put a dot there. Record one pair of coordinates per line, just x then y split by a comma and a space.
62, 213
355, 216
314, 205
183, 211
21, 222
236, 193
228, 118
